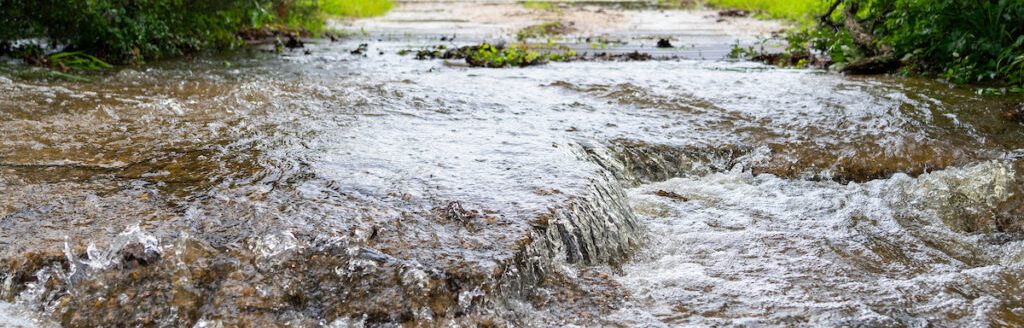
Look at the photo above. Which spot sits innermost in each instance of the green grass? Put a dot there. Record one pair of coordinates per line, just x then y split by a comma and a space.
356, 8
803, 12
77, 60
539, 5
543, 30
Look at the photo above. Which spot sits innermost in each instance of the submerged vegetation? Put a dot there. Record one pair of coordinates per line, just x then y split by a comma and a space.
961, 41
137, 30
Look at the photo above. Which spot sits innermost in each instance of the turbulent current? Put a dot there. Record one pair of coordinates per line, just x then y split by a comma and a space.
329, 187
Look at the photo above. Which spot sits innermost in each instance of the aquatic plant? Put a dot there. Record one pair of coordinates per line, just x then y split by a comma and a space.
76, 60
497, 56
486, 55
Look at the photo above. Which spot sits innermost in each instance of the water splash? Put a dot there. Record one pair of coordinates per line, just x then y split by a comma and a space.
735, 248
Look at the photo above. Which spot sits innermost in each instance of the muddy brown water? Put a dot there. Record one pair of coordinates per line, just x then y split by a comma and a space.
346, 190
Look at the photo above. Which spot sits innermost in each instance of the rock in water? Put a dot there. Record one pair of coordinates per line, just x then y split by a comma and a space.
293, 42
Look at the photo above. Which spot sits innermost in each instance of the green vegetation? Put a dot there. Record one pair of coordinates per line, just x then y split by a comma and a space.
127, 31
498, 56
802, 11
77, 60
356, 8
487, 55
539, 5
965, 41
980, 42
543, 30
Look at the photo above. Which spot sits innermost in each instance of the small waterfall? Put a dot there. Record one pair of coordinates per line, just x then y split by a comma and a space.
635, 162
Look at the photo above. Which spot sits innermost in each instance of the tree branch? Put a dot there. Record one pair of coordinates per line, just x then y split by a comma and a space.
826, 18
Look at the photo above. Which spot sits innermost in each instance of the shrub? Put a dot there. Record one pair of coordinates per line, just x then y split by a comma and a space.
965, 41
962, 41
124, 31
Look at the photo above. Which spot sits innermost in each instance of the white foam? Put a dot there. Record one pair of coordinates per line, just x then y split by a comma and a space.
748, 249
16, 316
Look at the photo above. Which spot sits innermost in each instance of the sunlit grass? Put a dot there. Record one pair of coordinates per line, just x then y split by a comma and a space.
539, 5
355, 8
801, 11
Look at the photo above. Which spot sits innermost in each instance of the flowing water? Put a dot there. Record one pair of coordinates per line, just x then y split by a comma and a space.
346, 189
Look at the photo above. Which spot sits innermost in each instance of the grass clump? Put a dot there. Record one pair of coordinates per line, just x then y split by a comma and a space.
77, 60
544, 30
540, 5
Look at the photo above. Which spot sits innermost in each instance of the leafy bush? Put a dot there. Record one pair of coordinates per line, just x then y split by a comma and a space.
963, 41
125, 31
834, 46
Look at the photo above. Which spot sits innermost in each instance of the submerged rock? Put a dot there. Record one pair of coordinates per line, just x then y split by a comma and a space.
1014, 112
361, 50
293, 42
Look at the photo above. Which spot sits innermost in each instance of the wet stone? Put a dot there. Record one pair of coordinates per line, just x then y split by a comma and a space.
1014, 112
